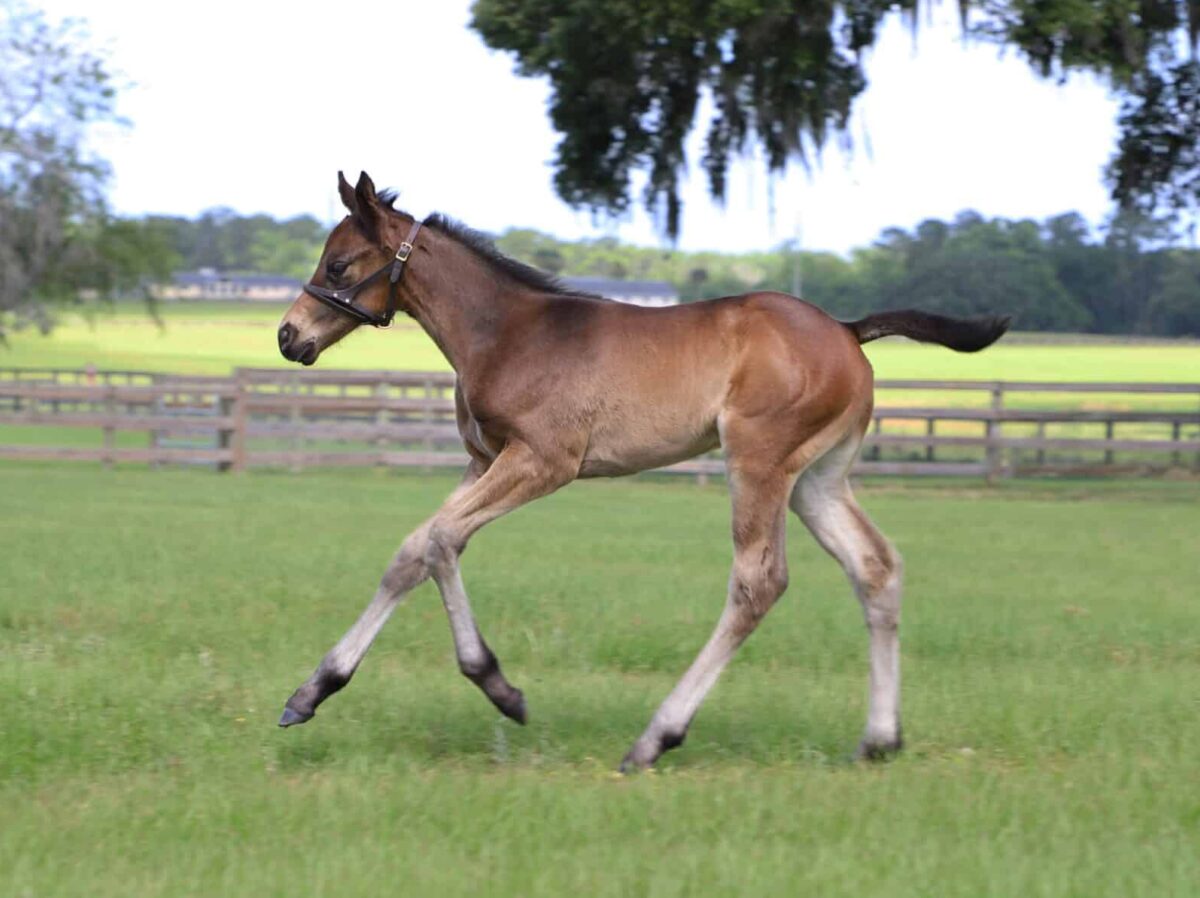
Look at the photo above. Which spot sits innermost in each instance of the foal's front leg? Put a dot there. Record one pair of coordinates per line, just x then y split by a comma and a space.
516, 476
406, 571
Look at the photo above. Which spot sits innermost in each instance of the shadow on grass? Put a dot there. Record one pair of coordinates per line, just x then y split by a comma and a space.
570, 732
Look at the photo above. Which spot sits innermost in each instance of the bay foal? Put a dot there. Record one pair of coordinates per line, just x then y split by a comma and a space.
553, 386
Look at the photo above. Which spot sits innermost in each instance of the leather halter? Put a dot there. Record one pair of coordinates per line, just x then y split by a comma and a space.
343, 300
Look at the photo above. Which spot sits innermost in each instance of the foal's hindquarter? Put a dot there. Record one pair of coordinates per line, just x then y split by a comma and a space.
784, 389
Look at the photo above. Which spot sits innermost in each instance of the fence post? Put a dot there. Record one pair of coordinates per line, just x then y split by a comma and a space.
929, 432
225, 435
110, 409
295, 418
430, 417
1108, 435
1198, 453
380, 420
155, 435
992, 434
238, 442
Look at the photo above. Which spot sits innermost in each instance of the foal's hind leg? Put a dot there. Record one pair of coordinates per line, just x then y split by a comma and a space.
758, 579
823, 500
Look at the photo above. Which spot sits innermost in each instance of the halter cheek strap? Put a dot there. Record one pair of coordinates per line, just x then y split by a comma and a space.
343, 300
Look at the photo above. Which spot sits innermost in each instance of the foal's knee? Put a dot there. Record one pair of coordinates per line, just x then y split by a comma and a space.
879, 586
408, 567
442, 549
477, 662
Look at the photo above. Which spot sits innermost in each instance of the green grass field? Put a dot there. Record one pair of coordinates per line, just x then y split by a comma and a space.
152, 624
215, 338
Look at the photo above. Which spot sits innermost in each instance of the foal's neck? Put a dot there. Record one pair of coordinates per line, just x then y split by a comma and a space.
456, 297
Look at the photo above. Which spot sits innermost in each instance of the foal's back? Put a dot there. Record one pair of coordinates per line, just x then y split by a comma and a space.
657, 385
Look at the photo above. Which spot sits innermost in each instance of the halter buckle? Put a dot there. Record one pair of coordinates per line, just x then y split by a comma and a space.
404, 251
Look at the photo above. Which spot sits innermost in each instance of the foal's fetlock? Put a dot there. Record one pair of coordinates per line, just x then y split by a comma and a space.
487, 676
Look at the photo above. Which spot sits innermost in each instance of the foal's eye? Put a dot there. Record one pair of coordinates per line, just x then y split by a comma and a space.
337, 269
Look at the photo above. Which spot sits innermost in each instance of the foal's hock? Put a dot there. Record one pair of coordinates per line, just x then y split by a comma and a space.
554, 386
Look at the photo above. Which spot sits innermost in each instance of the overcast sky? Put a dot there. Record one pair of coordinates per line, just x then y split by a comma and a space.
256, 105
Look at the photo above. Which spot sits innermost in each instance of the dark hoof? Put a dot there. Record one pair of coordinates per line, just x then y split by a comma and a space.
878, 751
637, 762
292, 717
629, 766
513, 707
641, 757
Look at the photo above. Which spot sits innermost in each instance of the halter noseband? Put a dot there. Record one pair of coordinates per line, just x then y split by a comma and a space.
343, 300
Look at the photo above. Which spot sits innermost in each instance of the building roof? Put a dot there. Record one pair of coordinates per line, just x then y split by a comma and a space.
206, 276
610, 287
615, 289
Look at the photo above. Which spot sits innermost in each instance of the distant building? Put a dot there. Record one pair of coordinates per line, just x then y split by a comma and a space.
210, 284
638, 293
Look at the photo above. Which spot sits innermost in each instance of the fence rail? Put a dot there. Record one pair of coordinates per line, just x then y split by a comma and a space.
305, 418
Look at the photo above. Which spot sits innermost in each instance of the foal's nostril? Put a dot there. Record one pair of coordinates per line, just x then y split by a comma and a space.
286, 334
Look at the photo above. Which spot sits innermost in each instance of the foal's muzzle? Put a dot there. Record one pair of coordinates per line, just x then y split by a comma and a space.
294, 350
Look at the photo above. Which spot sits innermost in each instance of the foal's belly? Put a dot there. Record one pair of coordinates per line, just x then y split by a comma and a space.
613, 453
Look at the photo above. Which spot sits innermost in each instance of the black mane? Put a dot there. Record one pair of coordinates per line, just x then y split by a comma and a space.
481, 244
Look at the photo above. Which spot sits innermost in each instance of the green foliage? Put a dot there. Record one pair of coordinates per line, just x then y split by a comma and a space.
1052, 276
222, 239
58, 242
129, 255
1174, 308
53, 225
626, 79
976, 267
1158, 156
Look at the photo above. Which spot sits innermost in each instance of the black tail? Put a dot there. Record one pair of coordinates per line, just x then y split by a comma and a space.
960, 334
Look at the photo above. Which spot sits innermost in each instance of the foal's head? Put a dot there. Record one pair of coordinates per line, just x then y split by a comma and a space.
352, 283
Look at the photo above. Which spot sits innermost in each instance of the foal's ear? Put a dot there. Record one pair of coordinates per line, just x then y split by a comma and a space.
346, 192
367, 210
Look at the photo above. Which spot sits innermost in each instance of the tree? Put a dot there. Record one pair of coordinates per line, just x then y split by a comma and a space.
626, 79
1174, 309
1053, 275
967, 267
1086, 270
57, 239
1157, 165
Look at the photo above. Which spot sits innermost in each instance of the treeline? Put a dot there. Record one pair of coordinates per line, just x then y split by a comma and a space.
226, 241
1054, 275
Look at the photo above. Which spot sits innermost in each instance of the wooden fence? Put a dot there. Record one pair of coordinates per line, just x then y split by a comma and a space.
302, 418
